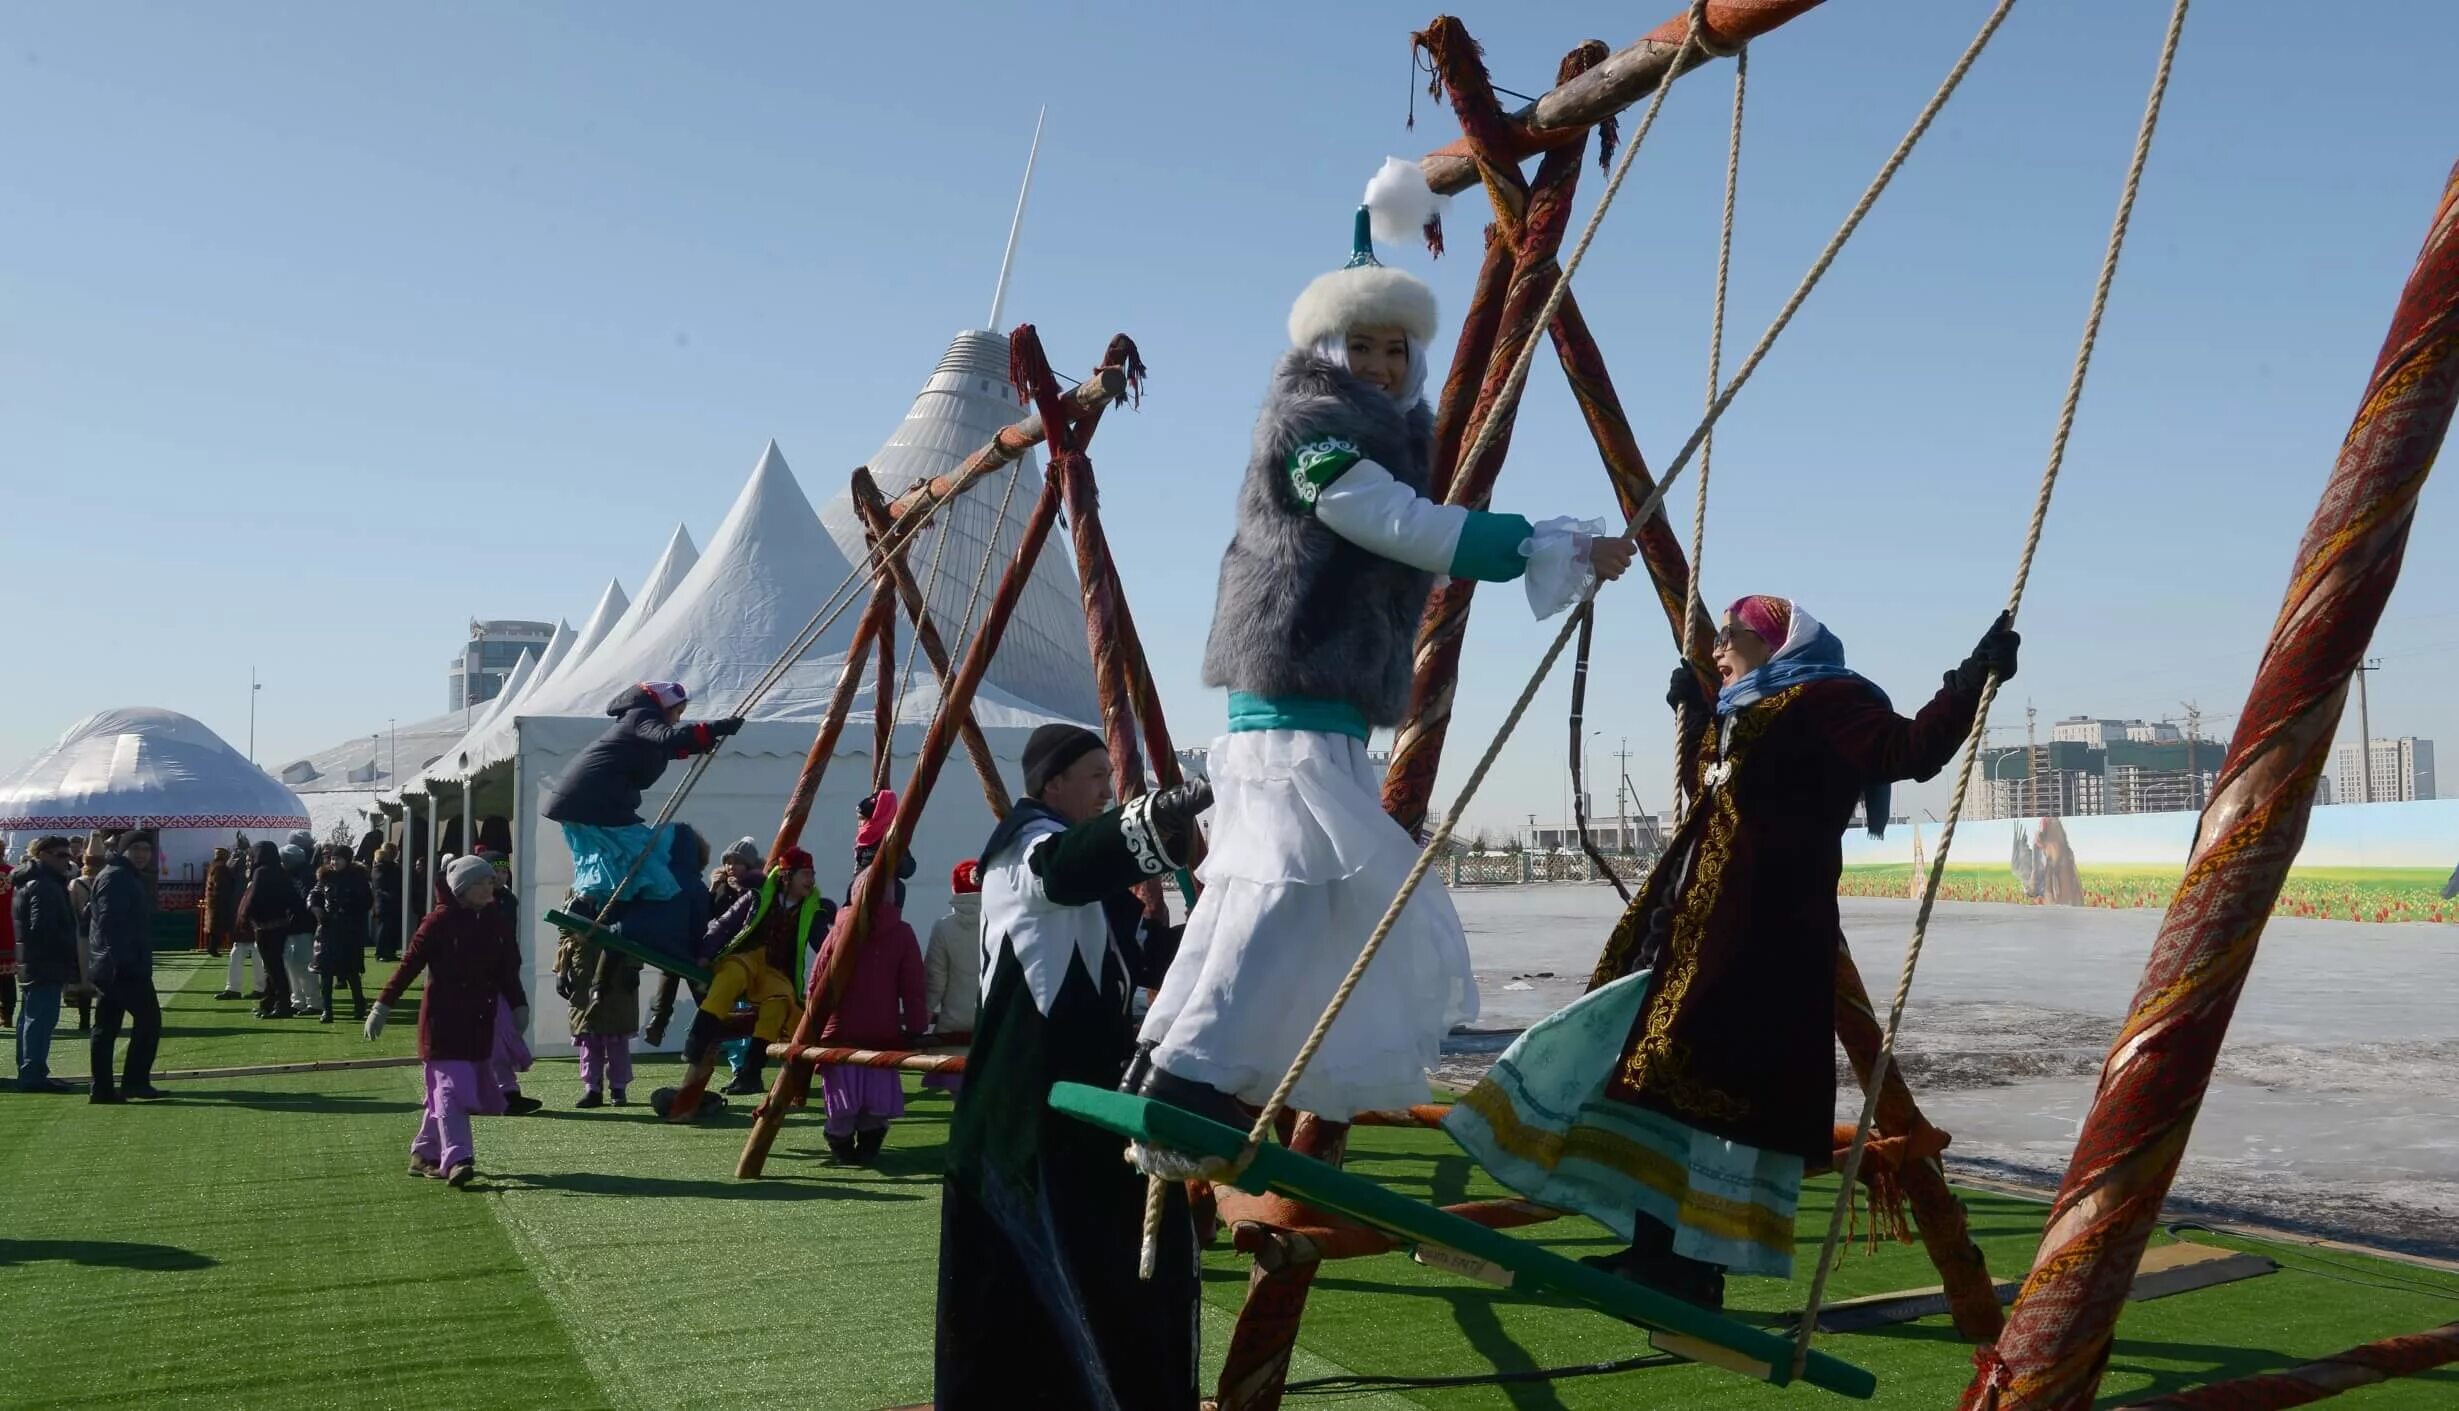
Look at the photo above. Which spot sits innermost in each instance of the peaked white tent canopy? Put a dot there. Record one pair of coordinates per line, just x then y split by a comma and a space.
144, 767
1043, 658
612, 604
558, 647
673, 565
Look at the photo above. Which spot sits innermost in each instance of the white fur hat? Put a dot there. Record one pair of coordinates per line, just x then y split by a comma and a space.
1363, 295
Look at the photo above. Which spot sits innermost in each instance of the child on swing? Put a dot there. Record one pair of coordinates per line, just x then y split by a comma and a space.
1335, 552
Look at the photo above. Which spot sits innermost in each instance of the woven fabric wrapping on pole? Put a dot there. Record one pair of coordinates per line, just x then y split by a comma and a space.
1417, 747
2057, 1339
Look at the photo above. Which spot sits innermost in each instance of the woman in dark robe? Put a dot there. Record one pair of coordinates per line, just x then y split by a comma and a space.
1681, 1100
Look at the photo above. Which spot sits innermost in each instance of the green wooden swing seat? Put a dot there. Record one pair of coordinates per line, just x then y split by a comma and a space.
625, 946
1675, 1326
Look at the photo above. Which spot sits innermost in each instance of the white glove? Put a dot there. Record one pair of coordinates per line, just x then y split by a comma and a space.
375, 1019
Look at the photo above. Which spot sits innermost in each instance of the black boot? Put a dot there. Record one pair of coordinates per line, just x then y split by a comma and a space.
1202, 1099
1651, 1261
839, 1147
748, 1081
867, 1143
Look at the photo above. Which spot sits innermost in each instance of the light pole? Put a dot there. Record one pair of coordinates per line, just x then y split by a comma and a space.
254, 686
2365, 728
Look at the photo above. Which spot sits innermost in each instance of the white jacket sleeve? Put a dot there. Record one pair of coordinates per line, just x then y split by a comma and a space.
1370, 509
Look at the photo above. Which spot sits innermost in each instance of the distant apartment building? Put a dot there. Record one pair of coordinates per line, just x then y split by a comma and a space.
2390, 771
2078, 777
478, 672
2098, 734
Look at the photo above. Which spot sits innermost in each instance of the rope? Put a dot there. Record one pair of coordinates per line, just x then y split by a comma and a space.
1989, 688
990, 550
930, 590
1716, 361
1579, 771
873, 565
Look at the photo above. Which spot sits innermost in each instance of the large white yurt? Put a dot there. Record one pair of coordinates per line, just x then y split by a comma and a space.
142, 767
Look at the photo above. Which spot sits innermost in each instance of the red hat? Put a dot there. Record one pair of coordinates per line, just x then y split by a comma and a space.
796, 860
967, 877
881, 812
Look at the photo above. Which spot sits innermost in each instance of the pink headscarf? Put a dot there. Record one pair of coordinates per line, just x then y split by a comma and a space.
1771, 618
875, 824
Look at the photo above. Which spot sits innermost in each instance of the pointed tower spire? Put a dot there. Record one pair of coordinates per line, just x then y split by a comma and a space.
1007, 261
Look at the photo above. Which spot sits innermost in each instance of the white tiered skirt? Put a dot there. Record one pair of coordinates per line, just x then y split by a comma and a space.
1303, 863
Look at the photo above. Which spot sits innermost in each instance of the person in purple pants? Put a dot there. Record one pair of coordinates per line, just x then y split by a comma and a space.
473, 970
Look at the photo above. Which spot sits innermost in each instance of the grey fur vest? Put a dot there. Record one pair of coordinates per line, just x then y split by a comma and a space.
1302, 611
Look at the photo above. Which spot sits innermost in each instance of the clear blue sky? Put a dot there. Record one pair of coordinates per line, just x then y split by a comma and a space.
325, 328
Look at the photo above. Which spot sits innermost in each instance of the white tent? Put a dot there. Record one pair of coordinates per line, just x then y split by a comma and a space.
769, 567
673, 565
142, 767
612, 604
1043, 657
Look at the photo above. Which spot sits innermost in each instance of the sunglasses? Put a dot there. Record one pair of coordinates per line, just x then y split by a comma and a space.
1726, 634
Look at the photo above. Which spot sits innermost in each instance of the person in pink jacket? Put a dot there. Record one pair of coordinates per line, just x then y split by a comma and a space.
882, 1008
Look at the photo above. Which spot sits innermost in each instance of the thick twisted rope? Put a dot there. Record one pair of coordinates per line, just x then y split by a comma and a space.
1716, 379
1989, 687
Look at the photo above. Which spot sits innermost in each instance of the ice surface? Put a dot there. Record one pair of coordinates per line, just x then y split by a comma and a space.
2335, 1108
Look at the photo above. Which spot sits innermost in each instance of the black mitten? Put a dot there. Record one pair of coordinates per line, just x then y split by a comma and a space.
1684, 692
1173, 813
1995, 655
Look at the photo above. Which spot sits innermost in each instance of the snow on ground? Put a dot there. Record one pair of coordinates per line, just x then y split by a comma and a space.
2335, 1108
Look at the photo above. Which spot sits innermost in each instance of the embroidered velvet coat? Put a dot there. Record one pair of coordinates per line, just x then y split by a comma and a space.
1739, 922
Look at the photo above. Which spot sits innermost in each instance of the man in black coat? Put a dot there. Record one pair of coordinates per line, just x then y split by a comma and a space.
597, 800
121, 948
46, 957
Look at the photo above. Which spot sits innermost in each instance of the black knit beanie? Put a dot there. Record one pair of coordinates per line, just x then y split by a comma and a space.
1051, 749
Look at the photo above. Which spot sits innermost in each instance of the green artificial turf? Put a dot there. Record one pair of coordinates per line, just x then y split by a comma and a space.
254, 1241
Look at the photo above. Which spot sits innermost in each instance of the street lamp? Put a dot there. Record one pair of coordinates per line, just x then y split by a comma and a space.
254, 686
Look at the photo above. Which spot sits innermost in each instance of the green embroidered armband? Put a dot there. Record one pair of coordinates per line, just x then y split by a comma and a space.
1314, 466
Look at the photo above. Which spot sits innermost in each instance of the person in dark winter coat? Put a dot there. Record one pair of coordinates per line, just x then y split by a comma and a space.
228, 882
386, 877
1033, 1200
221, 903
46, 957
343, 897
121, 948
465, 950
299, 857
597, 800
268, 910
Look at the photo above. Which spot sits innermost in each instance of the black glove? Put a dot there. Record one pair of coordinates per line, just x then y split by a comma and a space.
728, 726
656, 1032
1994, 656
1684, 692
1173, 814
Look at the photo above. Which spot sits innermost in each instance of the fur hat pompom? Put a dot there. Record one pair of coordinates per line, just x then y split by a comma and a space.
1363, 296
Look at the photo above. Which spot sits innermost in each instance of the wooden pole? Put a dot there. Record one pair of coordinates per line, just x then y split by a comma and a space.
1622, 79
1064, 430
1107, 384
873, 507
1417, 748
884, 695
2058, 1335
875, 615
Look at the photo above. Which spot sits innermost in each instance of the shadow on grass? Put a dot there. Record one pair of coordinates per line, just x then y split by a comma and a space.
271, 1101
772, 1188
104, 1254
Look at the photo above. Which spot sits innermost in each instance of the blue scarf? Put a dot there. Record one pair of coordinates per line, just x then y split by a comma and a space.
1817, 657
